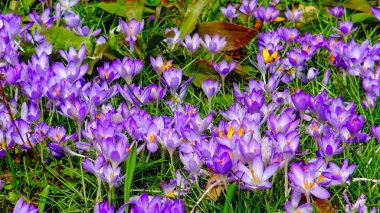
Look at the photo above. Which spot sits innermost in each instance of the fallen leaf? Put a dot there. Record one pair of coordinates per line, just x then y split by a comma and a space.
217, 190
237, 36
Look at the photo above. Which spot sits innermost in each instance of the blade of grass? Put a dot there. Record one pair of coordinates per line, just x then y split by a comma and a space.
230, 197
43, 196
130, 168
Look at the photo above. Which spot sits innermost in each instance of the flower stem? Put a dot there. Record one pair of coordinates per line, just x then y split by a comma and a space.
286, 179
172, 164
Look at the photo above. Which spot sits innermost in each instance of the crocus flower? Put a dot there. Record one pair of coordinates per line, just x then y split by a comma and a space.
95, 168
191, 43
254, 100
112, 176
301, 100
376, 12
330, 145
326, 77
210, 88
223, 68
355, 123
229, 12
73, 56
339, 176
312, 74
169, 189
66, 5
22, 135
105, 207
44, 20
30, 114
1, 184
173, 78
151, 137
221, 165
159, 65
293, 16
345, 29
128, 68
248, 7
172, 40
359, 206
257, 175
214, 44
293, 206
132, 29
24, 207
266, 14
376, 132
170, 139
303, 181
336, 11
116, 152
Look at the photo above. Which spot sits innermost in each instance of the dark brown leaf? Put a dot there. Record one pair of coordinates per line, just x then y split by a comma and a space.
237, 36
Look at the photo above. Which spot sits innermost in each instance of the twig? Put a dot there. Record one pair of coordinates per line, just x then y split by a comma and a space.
204, 195
365, 179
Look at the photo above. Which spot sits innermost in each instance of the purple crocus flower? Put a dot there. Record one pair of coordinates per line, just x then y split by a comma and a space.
359, 206
116, 152
173, 78
293, 16
257, 175
336, 11
221, 164
44, 20
191, 43
170, 139
293, 206
151, 137
254, 100
301, 100
112, 176
128, 68
355, 123
345, 29
132, 29
75, 109
73, 56
169, 189
1, 184
339, 176
210, 88
24, 207
159, 65
108, 73
330, 145
95, 168
248, 7
312, 74
105, 207
223, 68
30, 114
376, 12
22, 136
303, 181
229, 11
376, 132
214, 44
66, 5
172, 40
266, 14
326, 77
